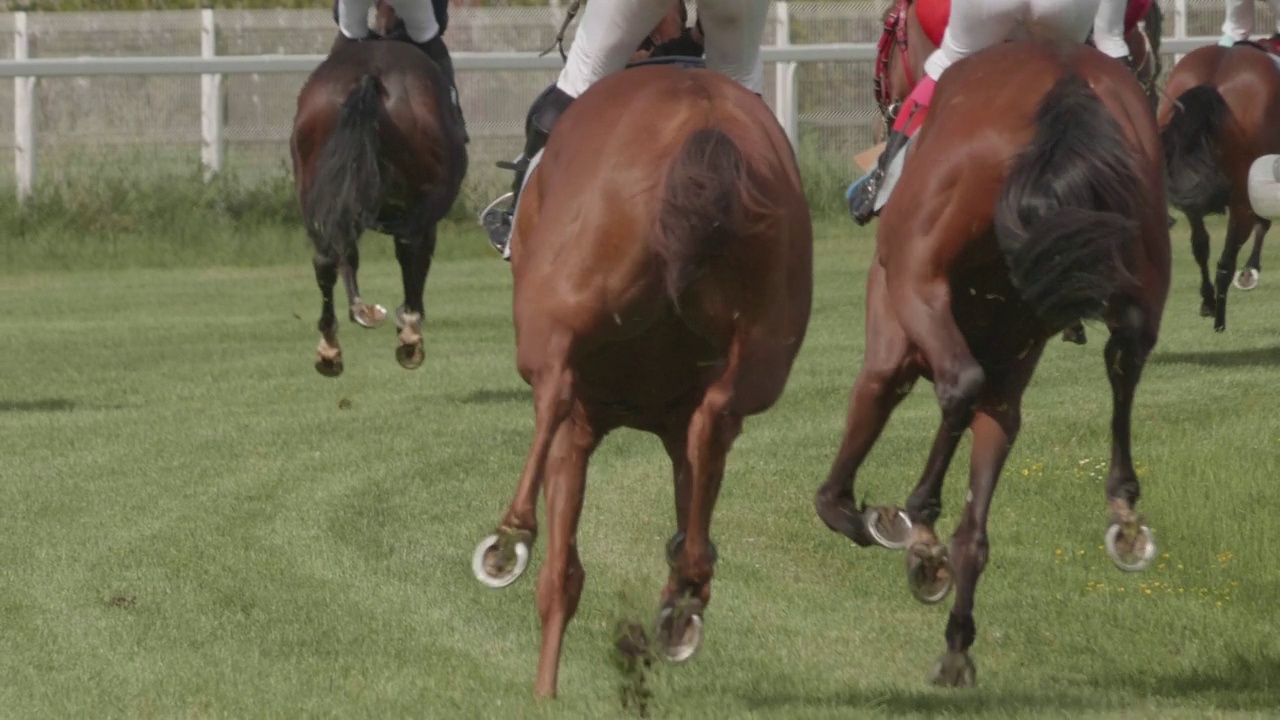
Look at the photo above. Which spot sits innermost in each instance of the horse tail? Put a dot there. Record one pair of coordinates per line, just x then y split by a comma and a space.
1063, 221
1196, 183
706, 204
345, 193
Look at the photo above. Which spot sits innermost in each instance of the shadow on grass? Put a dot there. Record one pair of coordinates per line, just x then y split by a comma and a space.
1241, 683
35, 406
494, 397
1228, 358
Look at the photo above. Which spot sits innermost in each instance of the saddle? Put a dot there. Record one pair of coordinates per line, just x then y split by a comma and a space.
1270, 45
684, 61
934, 15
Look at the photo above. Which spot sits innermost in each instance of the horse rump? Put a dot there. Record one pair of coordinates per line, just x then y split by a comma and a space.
1063, 221
709, 200
346, 192
1196, 182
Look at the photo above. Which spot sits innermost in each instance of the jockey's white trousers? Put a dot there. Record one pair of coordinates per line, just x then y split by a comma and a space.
418, 16
1239, 24
611, 30
1108, 28
978, 24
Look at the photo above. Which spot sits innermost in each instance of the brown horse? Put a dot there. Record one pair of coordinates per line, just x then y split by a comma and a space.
375, 146
905, 45
1023, 206
1221, 111
662, 271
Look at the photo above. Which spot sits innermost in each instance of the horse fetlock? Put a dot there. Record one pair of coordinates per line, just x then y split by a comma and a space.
501, 558
840, 514
929, 572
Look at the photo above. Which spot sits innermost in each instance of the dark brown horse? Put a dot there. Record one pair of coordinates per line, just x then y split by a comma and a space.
662, 271
1023, 206
1221, 111
375, 146
905, 45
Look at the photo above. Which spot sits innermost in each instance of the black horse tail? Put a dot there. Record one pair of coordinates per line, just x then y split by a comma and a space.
1063, 221
709, 200
346, 192
1196, 183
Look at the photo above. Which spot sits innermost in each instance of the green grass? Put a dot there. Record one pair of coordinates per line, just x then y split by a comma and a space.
190, 526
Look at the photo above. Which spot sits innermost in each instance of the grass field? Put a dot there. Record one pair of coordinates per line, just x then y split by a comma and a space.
193, 523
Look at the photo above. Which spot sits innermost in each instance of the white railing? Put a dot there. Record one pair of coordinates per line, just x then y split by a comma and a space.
26, 71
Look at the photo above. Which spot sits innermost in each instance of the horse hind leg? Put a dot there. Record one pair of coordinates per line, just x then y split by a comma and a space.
329, 353
502, 557
886, 377
414, 256
1239, 222
1200, 250
691, 555
562, 577
995, 428
367, 316
1247, 279
1128, 540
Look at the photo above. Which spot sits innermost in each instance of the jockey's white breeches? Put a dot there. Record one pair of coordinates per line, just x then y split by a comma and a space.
978, 24
611, 30
1108, 28
418, 16
1239, 24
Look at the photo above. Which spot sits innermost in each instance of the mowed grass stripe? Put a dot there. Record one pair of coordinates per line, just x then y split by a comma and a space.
192, 526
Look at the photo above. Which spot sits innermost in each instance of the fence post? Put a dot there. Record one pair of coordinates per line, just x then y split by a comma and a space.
24, 108
211, 149
1179, 25
784, 75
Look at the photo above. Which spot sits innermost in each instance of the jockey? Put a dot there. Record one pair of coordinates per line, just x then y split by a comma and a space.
424, 29
1239, 24
1108, 31
610, 32
974, 25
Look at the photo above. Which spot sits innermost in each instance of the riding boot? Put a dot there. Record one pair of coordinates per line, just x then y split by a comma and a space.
544, 113
439, 53
862, 195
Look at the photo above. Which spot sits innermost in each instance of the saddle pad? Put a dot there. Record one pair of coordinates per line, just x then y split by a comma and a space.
934, 15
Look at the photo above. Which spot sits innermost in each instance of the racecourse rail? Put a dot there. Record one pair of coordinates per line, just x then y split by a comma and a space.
26, 71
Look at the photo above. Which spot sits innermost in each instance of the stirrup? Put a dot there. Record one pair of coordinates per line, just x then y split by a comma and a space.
497, 223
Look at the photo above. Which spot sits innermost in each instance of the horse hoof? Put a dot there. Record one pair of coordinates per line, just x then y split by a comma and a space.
411, 356
500, 559
1075, 335
368, 316
1246, 279
929, 573
679, 635
954, 669
1131, 546
329, 367
1206, 310
889, 526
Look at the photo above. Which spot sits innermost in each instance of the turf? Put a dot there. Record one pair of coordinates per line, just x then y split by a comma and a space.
193, 523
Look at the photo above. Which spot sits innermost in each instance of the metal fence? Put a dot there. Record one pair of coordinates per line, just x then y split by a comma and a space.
87, 125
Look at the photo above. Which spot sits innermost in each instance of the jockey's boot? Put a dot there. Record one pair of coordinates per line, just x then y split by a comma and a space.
439, 53
544, 113
862, 194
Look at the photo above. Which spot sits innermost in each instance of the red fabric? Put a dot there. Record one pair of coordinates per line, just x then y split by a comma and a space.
915, 108
933, 16
1134, 12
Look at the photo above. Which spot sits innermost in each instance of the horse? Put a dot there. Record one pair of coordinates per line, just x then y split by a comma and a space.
1023, 206
375, 145
1219, 114
663, 275
907, 40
